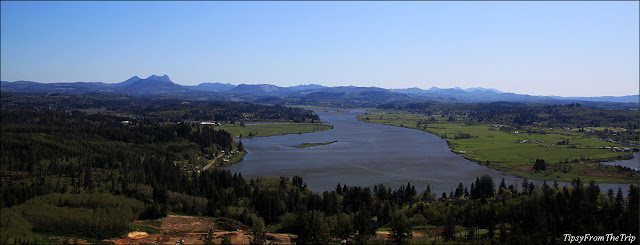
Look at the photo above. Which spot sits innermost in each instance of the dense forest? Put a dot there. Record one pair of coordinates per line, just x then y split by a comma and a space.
165, 109
65, 171
56, 141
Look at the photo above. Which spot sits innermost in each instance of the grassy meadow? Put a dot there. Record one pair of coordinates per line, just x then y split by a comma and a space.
263, 130
568, 153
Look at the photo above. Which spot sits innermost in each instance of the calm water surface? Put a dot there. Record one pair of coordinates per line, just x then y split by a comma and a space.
366, 154
633, 163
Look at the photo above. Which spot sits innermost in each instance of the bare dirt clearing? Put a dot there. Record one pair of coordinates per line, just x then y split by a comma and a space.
193, 230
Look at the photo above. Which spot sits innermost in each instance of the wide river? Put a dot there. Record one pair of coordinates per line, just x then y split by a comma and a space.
366, 154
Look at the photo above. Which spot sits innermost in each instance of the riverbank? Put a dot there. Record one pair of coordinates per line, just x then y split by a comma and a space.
513, 152
259, 130
224, 160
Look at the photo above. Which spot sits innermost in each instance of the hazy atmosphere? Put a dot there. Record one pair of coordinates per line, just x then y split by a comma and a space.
538, 48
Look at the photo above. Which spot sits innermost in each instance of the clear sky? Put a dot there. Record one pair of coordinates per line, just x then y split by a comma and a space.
540, 48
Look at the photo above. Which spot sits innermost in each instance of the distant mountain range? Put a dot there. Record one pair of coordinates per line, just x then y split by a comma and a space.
312, 94
436, 89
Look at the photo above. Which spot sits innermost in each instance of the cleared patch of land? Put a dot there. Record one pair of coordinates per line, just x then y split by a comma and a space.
305, 145
263, 130
569, 154
193, 230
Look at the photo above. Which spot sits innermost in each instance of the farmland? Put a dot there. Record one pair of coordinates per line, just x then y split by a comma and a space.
568, 153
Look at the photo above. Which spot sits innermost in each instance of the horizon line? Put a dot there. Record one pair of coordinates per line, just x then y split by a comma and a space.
423, 89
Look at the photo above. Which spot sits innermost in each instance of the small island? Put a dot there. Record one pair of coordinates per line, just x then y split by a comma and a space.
305, 145
271, 129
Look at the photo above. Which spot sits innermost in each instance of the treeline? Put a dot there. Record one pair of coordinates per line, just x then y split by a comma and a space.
222, 111
537, 215
534, 214
69, 102
96, 216
156, 109
525, 114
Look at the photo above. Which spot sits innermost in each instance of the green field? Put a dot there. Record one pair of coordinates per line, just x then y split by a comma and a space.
514, 152
263, 130
305, 145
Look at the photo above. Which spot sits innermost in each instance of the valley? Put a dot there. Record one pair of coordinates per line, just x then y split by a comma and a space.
276, 173
319, 122
567, 153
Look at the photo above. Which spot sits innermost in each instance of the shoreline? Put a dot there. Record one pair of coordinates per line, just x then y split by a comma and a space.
240, 157
511, 168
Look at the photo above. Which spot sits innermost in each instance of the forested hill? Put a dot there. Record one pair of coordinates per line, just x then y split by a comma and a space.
316, 95
156, 109
144, 149
94, 139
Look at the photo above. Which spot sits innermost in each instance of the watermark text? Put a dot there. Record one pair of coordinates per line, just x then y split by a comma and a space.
604, 238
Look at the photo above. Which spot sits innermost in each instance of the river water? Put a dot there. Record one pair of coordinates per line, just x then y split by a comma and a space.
366, 154
633, 163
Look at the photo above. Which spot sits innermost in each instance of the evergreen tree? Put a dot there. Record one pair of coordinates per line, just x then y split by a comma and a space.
240, 146
502, 186
540, 165
311, 228
259, 236
364, 227
400, 229
449, 228
208, 239
460, 190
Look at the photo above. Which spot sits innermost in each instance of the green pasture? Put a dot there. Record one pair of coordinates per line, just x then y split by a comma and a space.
515, 152
263, 130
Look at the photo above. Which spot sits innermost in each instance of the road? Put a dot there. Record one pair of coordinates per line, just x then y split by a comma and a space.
212, 162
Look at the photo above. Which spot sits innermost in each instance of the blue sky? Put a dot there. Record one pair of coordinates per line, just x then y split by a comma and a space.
540, 48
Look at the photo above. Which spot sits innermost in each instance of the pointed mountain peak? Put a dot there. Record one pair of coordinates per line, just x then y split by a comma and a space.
130, 80
163, 78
